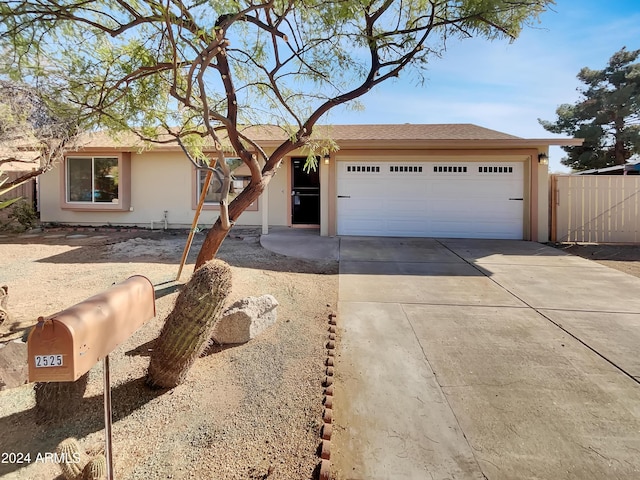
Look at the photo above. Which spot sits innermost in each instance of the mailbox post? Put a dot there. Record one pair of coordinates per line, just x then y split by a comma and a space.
64, 346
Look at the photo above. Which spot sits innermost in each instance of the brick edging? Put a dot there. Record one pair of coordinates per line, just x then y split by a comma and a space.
327, 414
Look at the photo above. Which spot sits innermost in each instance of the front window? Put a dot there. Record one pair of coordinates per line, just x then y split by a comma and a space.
92, 179
240, 178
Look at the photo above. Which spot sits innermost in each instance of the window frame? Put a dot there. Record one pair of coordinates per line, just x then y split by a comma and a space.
124, 183
213, 205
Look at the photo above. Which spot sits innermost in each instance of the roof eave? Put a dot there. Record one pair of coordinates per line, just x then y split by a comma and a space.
377, 144
459, 143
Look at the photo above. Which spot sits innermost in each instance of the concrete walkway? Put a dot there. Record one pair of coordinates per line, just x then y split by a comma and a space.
305, 243
472, 359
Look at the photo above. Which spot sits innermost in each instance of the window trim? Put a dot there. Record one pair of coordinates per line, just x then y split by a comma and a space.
124, 184
211, 206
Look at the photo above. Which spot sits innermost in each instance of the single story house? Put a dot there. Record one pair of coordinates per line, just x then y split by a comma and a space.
446, 180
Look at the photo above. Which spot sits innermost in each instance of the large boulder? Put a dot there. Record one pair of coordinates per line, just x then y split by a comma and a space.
245, 319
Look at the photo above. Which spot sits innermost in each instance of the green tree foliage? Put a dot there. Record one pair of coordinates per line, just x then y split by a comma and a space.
36, 126
607, 116
200, 72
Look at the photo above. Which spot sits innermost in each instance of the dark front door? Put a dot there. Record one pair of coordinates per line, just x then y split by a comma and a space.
305, 193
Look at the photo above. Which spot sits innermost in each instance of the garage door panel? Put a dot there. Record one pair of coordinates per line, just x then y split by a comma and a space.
462, 200
476, 206
470, 223
407, 228
510, 231
362, 192
359, 226
452, 229
475, 187
361, 204
402, 207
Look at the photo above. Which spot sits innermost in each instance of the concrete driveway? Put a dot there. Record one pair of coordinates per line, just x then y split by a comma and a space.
473, 359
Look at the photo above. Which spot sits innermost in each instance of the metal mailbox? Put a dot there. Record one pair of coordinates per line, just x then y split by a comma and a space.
65, 345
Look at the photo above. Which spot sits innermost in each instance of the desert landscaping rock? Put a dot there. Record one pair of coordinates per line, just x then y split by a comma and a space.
245, 319
13, 364
142, 247
245, 412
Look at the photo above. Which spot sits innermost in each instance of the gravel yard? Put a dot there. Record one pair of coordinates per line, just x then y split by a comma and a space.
245, 412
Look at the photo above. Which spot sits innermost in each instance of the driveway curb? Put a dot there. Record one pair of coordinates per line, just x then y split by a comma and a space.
327, 402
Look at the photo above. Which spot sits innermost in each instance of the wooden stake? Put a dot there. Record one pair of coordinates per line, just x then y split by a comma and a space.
194, 224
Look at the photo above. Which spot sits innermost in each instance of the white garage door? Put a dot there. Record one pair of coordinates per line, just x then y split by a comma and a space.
430, 199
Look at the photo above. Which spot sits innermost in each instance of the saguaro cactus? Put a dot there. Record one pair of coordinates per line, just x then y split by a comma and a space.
188, 327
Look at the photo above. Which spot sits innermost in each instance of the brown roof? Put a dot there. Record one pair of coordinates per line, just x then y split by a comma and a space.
405, 131
372, 135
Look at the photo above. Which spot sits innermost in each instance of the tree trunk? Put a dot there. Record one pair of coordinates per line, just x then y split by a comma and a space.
620, 153
618, 149
211, 244
218, 233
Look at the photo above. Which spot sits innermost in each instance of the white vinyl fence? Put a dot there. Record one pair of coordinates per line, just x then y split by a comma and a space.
595, 208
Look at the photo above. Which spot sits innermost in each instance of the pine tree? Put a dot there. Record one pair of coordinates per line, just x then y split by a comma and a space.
607, 116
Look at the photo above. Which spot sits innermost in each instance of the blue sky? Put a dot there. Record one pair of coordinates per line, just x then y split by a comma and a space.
507, 87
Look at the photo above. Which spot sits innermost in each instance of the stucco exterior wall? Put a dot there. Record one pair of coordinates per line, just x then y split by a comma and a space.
279, 195
543, 202
165, 181
160, 181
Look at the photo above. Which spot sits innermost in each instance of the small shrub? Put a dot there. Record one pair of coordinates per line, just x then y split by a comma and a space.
24, 214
